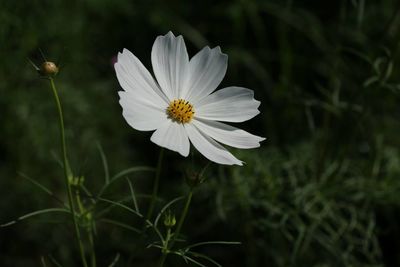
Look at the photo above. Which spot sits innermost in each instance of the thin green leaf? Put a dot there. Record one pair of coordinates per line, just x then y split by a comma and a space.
388, 72
299, 242
185, 257
359, 54
377, 64
105, 164
360, 14
114, 203
54, 261
41, 187
35, 213
370, 81
116, 259
120, 224
57, 159
34, 65
43, 261
42, 54
123, 174
214, 243
122, 206
88, 194
156, 230
133, 195
154, 245
205, 257
131, 170
100, 213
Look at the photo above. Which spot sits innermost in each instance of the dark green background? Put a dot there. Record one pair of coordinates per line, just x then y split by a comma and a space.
323, 189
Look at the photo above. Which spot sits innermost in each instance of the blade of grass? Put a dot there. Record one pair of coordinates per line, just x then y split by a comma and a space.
123, 174
35, 213
198, 255
116, 259
133, 195
105, 164
185, 257
120, 224
122, 206
41, 187
43, 261
54, 261
214, 243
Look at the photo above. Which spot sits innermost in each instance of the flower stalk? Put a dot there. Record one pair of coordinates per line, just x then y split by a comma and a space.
65, 167
170, 241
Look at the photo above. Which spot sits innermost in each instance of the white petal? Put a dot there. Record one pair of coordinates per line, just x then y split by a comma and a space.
234, 104
141, 113
209, 148
206, 71
173, 136
134, 77
170, 64
228, 135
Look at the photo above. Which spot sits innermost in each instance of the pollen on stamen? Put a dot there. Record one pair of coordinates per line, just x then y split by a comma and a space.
180, 110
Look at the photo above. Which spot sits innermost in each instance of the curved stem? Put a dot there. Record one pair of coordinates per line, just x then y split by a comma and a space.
65, 167
178, 229
156, 185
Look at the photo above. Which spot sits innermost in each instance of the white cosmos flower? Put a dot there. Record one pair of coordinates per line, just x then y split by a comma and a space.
181, 106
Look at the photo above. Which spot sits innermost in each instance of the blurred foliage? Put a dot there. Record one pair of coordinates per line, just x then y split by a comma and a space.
321, 191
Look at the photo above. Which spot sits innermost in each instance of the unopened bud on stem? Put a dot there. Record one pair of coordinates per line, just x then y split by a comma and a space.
48, 68
169, 219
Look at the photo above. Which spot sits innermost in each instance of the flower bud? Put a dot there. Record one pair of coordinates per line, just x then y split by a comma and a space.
169, 219
89, 217
194, 179
76, 181
48, 68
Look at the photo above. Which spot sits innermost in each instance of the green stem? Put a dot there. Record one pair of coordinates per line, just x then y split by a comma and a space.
89, 227
163, 258
91, 241
178, 229
182, 218
165, 248
155, 186
65, 167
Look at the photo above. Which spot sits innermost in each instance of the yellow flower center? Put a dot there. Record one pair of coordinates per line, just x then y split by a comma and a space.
180, 110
